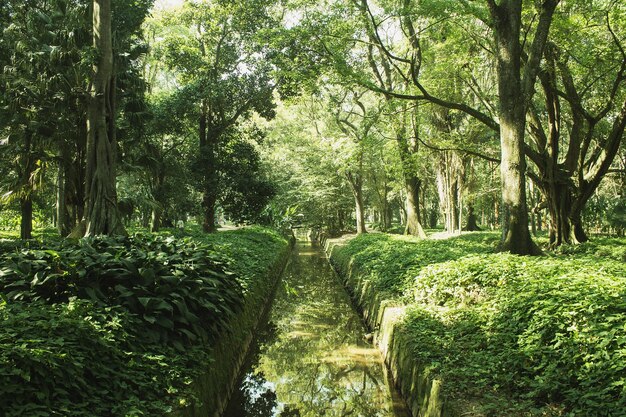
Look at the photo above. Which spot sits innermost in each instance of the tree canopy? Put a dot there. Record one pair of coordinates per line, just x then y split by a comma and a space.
340, 115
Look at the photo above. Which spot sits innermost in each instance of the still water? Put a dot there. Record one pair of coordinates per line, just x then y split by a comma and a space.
311, 358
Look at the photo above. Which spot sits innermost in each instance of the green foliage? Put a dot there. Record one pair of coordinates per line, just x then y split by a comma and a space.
245, 189
306, 162
179, 287
524, 335
392, 260
607, 212
599, 247
77, 359
10, 220
119, 326
545, 330
220, 53
246, 252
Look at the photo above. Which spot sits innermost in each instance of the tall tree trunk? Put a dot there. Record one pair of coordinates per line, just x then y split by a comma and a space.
102, 217
26, 203
77, 173
402, 209
512, 115
26, 223
158, 196
360, 212
75, 183
356, 184
565, 219
413, 223
388, 212
66, 193
447, 190
208, 143
567, 189
382, 216
450, 177
517, 238
412, 185
472, 225
424, 209
61, 206
155, 218
209, 204
533, 206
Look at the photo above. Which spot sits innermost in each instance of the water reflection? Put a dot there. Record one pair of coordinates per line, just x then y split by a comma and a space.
311, 358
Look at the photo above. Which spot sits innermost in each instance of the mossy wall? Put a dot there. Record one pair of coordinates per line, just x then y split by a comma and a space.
216, 385
423, 394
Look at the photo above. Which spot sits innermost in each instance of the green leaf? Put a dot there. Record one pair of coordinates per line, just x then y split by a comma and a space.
149, 319
92, 293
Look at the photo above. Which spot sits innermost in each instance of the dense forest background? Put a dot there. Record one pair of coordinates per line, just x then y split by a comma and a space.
398, 114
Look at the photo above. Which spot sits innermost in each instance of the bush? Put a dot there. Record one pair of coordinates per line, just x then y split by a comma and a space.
77, 359
599, 247
119, 326
548, 328
180, 288
389, 262
527, 335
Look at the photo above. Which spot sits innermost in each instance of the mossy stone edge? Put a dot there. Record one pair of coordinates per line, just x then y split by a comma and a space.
423, 394
215, 386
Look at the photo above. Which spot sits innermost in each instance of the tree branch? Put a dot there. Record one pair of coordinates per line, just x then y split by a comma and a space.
366, 9
467, 151
531, 69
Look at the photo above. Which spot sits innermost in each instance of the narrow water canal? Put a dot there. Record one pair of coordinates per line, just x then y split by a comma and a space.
311, 358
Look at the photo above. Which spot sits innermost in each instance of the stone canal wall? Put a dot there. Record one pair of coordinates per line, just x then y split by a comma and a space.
422, 393
215, 386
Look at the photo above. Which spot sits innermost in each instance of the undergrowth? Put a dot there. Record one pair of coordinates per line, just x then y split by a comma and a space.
388, 261
526, 335
120, 325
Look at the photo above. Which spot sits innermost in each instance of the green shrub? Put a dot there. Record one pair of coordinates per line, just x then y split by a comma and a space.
527, 335
548, 328
600, 247
390, 261
77, 359
119, 326
246, 252
179, 287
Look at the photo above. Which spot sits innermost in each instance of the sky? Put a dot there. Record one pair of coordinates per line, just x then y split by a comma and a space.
166, 4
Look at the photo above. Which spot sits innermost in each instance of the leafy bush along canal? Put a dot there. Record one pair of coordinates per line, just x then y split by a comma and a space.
311, 358
471, 332
130, 326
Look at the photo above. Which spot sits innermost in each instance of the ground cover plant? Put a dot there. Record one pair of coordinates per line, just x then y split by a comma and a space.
390, 260
119, 325
524, 335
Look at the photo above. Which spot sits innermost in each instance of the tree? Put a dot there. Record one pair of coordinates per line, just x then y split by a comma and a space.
41, 53
578, 123
245, 187
356, 118
381, 174
406, 61
219, 56
406, 134
47, 68
515, 92
101, 214
305, 162
164, 155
